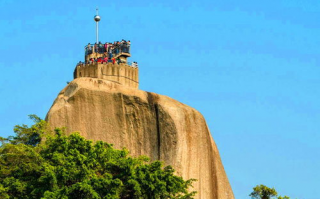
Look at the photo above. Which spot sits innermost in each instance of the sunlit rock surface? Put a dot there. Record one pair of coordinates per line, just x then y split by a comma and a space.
147, 124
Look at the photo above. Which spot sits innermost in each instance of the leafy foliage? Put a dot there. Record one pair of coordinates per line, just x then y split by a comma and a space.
73, 167
28, 135
264, 192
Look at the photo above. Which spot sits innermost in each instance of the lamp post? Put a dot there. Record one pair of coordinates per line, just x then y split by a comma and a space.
97, 18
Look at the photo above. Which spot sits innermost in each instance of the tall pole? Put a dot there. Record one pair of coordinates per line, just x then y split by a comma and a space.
97, 18
97, 31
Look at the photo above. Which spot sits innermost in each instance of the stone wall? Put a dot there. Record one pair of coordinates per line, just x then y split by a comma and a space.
119, 73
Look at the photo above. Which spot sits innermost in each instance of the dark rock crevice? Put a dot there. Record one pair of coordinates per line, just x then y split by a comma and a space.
156, 108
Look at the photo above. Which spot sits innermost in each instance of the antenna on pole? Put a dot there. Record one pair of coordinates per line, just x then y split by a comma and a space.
97, 18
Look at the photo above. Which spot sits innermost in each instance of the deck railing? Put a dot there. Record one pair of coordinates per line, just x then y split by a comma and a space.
110, 49
132, 64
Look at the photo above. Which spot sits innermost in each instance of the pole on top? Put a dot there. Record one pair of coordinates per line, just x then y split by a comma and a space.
97, 18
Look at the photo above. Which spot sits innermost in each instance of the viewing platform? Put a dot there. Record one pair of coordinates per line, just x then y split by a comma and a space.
115, 50
109, 62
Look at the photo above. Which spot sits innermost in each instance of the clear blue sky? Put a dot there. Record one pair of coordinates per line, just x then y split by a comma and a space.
250, 67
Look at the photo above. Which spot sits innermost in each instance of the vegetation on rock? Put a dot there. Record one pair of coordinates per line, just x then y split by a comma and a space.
37, 163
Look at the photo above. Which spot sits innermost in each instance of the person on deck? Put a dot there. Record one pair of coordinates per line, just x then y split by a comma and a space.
110, 51
105, 60
101, 47
88, 49
106, 47
96, 48
117, 48
128, 46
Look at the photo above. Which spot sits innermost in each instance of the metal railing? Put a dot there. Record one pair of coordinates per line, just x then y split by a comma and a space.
132, 64
110, 49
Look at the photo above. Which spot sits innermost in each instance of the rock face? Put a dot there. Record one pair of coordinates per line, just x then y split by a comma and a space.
147, 124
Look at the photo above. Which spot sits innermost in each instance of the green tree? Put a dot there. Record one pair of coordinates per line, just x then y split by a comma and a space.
65, 167
28, 135
264, 192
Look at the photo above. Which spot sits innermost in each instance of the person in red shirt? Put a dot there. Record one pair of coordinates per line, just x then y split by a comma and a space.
105, 60
99, 60
113, 60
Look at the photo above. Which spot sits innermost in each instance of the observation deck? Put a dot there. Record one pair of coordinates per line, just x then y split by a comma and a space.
110, 50
109, 62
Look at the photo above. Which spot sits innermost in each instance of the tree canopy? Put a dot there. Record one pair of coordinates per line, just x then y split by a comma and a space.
264, 192
62, 166
28, 135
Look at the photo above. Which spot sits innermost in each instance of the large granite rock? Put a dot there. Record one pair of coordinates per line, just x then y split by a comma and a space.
147, 124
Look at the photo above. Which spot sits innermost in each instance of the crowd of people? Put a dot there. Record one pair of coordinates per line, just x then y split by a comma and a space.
102, 60
109, 49
108, 52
